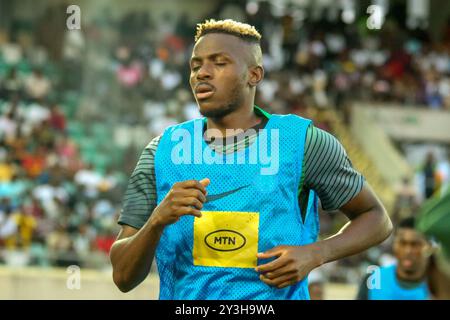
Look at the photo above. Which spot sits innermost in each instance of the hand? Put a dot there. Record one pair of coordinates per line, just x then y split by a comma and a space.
184, 198
291, 266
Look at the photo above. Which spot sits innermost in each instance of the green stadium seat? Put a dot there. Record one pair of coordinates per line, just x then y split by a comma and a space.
101, 162
4, 69
24, 67
70, 103
76, 130
88, 145
101, 131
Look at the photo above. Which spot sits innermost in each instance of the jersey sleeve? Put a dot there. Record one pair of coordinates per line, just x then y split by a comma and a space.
139, 200
328, 170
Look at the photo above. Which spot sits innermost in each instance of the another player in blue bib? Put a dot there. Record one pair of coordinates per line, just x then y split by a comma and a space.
406, 279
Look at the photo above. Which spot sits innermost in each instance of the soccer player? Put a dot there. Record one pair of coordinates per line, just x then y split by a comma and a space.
233, 215
405, 280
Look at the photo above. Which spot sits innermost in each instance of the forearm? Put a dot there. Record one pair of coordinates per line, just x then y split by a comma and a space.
132, 257
359, 234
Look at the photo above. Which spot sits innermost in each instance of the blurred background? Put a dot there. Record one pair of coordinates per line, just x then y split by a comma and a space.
78, 105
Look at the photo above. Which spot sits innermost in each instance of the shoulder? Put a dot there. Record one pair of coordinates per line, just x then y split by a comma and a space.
291, 126
328, 169
153, 144
321, 144
290, 118
316, 134
184, 125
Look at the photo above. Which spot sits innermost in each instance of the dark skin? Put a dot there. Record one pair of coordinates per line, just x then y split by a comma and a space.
224, 73
225, 62
133, 252
412, 251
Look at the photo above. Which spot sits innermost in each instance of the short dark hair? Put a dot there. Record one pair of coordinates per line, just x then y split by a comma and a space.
410, 223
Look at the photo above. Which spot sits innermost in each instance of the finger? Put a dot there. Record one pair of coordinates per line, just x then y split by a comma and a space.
195, 194
193, 184
191, 201
205, 182
274, 252
279, 272
189, 211
271, 266
278, 281
287, 283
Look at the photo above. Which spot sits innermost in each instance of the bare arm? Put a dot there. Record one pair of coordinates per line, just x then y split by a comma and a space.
369, 225
133, 252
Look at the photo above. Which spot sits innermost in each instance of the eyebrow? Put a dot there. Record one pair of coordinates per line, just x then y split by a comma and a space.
211, 56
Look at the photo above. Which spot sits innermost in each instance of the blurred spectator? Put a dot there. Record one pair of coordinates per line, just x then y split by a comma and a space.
89, 180
52, 197
34, 162
8, 126
406, 202
26, 225
60, 247
316, 285
36, 114
129, 74
6, 170
443, 173
429, 174
104, 241
8, 225
37, 86
14, 190
12, 85
12, 53
57, 119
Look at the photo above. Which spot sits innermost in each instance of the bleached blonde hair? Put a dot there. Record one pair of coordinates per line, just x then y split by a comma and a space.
228, 26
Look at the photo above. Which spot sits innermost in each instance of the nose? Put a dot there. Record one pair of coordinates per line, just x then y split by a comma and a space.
409, 250
204, 72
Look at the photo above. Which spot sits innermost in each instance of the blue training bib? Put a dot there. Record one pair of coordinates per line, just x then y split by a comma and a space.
252, 207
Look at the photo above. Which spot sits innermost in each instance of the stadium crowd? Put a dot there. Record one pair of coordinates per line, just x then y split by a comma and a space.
60, 198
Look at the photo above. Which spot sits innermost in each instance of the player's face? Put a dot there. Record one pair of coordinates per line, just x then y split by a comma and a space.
219, 74
411, 250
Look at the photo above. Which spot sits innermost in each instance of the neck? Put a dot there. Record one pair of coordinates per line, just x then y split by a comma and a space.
242, 118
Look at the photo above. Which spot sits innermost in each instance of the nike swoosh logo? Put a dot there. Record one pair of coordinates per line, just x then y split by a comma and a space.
218, 196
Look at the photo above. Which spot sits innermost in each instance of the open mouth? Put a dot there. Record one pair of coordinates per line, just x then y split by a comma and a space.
407, 263
204, 91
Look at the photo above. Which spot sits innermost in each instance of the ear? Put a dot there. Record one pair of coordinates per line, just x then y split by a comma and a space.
255, 75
